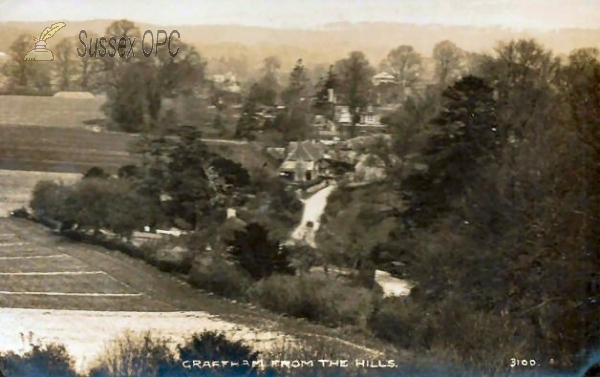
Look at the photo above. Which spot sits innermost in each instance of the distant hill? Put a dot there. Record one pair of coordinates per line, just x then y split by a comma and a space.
324, 45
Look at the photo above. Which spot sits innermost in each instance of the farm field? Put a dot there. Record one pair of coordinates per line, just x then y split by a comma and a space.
75, 150
50, 111
83, 296
65, 150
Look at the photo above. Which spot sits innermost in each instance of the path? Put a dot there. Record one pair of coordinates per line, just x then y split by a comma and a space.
314, 207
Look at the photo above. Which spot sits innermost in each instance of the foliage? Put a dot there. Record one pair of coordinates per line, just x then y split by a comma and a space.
448, 62
354, 74
96, 172
219, 277
49, 200
257, 254
405, 64
318, 299
464, 139
136, 90
322, 104
232, 172
211, 345
187, 180
50, 360
24, 77
106, 204
249, 121
136, 355
297, 89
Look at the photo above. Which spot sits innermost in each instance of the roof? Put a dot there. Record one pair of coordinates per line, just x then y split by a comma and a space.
305, 151
276, 153
384, 75
295, 165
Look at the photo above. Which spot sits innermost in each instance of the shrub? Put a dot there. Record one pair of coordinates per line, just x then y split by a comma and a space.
215, 274
136, 356
318, 299
42, 360
213, 346
395, 321
49, 199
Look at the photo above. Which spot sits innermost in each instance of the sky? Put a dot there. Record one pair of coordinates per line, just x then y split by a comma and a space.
518, 14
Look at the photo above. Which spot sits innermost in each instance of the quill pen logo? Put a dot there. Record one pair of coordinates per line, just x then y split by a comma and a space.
41, 53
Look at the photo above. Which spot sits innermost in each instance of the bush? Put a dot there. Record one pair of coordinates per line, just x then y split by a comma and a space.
395, 321
213, 346
42, 360
136, 356
318, 299
20, 213
49, 199
216, 275
453, 330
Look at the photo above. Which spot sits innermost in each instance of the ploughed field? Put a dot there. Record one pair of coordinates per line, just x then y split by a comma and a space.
64, 150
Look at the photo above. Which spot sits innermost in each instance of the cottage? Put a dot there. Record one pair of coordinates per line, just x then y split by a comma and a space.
303, 160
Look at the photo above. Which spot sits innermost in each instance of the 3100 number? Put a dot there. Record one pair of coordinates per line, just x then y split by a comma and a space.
522, 362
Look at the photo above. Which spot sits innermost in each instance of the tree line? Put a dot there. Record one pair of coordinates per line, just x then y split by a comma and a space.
498, 231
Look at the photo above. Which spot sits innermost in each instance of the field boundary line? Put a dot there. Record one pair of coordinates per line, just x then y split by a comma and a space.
2, 244
37, 257
52, 273
13, 293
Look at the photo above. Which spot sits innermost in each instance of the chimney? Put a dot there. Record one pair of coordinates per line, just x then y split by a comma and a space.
231, 213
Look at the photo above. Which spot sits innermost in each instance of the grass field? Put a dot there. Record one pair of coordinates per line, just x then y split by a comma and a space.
50, 111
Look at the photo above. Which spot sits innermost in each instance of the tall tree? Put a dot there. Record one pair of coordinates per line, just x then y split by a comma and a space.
464, 139
268, 85
524, 76
298, 85
249, 121
188, 181
259, 255
126, 103
25, 77
405, 64
355, 74
448, 60
295, 124
322, 102
65, 65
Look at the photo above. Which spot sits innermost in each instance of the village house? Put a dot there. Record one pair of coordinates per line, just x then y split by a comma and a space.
304, 161
369, 121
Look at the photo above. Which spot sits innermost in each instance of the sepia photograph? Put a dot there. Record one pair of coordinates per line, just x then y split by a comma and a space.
300, 188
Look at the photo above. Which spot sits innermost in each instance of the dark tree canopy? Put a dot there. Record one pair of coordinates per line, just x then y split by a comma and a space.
257, 254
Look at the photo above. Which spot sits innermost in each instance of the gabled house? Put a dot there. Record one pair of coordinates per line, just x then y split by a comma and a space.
303, 161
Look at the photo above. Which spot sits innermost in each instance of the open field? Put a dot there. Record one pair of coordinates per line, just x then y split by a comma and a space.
93, 295
66, 150
50, 111
75, 150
